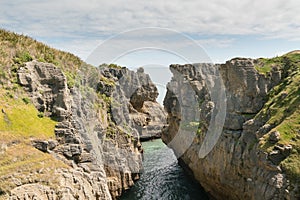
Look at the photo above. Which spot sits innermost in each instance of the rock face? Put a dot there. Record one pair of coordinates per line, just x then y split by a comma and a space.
236, 168
138, 92
98, 129
47, 86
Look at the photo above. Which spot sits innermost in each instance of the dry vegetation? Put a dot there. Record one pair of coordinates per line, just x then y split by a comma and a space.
16, 49
20, 122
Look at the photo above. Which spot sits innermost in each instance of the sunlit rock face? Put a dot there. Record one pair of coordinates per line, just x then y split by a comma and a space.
100, 122
236, 167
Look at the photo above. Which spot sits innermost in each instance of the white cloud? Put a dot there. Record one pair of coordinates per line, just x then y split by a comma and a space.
212, 42
149, 38
64, 17
83, 23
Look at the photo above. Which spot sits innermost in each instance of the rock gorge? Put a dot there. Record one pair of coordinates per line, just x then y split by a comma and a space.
72, 131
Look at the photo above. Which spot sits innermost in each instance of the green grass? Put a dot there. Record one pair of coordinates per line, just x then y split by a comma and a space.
115, 66
26, 157
71, 79
263, 69
21, 118
283, 63
17, 49
282, 111
22, 57
291, 165
190, 126
19, 124
107, 81
283, 108
265, 65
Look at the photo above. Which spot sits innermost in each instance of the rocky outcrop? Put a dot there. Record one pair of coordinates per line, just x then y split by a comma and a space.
236, 167
47, 87
136, 91
97, 134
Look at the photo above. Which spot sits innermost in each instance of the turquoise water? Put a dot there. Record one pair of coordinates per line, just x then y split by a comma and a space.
163, 178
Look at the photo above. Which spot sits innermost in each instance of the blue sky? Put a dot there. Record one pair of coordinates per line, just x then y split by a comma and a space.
225, 29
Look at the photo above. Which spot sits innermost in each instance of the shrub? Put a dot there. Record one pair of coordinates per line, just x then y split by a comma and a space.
26, 100
22, 57
40, 114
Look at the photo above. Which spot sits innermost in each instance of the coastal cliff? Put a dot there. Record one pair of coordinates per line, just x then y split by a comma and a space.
70, 130
257, 153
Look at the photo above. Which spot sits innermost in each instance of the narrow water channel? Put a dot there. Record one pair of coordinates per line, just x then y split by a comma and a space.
163, 178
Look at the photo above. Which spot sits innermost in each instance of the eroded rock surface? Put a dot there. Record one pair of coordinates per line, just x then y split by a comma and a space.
104, 156
236, 168
136, 92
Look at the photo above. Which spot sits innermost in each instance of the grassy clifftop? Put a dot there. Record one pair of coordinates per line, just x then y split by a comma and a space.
22, 126
16, 49
20, 122
282, 110
20, 162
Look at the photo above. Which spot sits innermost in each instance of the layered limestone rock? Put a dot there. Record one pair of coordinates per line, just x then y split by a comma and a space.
236, 167
136, 91
97, 133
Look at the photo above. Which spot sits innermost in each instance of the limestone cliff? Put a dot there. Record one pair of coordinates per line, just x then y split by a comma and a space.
82, 140
97, 134
256, 156
143, 114
70, 130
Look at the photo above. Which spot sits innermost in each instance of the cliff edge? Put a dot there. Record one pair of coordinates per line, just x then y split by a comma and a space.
70, 130
257, 154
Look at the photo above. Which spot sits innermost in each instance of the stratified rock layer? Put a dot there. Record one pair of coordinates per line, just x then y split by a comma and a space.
138, 92
236, 168
104, 155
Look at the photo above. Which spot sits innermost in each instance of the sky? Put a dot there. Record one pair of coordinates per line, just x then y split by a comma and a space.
223, 28
157, 33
